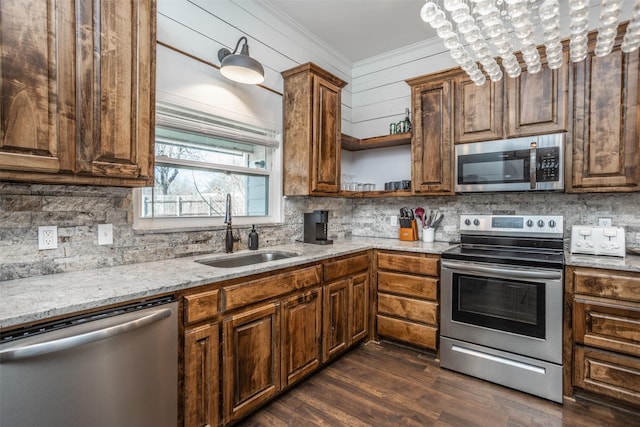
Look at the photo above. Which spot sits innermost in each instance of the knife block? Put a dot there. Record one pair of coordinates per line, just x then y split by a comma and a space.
410, 234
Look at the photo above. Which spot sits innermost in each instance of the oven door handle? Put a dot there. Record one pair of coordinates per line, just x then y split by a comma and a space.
503, 271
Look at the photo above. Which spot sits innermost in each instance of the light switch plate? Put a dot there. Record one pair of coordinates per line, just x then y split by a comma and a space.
47, 237
105, 234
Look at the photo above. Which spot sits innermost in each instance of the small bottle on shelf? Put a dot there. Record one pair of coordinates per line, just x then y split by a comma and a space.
407, 121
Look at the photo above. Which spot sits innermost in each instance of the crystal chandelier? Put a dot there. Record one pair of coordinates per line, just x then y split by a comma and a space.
476, 31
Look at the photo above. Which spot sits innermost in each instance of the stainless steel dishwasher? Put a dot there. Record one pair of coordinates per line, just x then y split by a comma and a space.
111, 368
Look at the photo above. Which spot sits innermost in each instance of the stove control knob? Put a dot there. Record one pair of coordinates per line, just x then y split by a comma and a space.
540, 223
467, 221
476, 222
552, 224
530, 223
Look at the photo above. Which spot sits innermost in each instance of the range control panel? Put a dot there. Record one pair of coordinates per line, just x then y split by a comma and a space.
593, 240
517, 225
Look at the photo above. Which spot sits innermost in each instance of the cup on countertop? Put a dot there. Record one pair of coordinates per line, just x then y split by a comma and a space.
428, 234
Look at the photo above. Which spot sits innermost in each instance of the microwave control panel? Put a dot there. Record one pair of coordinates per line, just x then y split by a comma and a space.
547, 164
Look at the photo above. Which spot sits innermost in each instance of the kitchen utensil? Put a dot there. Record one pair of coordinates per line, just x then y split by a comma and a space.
420, 214
429, 219
437, 220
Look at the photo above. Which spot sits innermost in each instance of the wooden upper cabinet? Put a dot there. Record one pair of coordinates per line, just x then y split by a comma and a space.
538, 103
117, 87
78, 82
605, 152
478, 110
432, 143
37, 110
312, 131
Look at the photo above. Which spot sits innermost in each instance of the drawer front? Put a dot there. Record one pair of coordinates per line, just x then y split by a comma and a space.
346, 267
408, 308
609, 374
408, 332
270, 287
200, 306
427, 265
408, 285
612, 327
607, 283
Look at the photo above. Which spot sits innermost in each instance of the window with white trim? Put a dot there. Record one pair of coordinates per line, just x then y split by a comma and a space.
199, 159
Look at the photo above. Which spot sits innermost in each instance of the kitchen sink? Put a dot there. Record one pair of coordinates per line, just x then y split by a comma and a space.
246, 259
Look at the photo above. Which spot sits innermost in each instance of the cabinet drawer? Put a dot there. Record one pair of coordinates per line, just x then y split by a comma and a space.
416, 264
607, 283
407, 285
609, 374
346, 267
408, 308
612, 327
200, 306
269, 287
408, 332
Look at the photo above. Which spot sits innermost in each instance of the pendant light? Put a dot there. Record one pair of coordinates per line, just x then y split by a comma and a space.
240, 67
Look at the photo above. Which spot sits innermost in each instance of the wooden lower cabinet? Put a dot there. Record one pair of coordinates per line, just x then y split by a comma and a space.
604, 350
359, 304
609, 374
251, 360
247, 340
336, 318
201, 376
301, 335
407, 294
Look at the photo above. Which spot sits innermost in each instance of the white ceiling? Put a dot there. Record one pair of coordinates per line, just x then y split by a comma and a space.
360, 29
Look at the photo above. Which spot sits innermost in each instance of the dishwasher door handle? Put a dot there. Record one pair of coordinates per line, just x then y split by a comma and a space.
19, 352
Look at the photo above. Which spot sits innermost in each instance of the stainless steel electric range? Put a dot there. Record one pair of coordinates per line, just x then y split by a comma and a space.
501, 295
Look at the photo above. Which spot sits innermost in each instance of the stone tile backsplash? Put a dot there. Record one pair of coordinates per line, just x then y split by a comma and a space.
77, 210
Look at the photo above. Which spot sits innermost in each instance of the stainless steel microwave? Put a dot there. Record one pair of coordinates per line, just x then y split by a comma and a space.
517, 164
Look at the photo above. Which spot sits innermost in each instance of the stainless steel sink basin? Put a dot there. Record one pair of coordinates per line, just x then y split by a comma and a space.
246, 259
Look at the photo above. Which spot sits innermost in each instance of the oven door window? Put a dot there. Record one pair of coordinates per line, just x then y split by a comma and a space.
506, 305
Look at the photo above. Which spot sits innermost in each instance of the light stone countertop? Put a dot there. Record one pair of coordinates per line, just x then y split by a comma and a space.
39, 298
628, 263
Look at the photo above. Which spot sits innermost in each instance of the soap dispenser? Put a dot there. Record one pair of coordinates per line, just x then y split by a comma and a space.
253, 239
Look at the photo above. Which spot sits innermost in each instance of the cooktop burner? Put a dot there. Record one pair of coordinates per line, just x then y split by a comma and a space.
526, 240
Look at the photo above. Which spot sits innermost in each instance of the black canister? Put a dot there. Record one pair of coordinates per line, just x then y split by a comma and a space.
253, 239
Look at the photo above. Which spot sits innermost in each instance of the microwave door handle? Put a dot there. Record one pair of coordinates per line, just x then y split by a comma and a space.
532, 165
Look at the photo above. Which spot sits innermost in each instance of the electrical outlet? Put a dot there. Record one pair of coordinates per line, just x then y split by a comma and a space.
105, 234
604, 222
47, 237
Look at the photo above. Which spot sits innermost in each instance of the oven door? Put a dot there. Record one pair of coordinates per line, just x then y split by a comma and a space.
516, 309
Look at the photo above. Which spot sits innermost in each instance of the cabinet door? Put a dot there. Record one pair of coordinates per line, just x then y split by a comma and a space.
325, 155
478, 111
201, 377
335, 318
359, 302
117, 87
431, 147
538, 103
251, 357
609, 374
606, 141
301, 335
37, 95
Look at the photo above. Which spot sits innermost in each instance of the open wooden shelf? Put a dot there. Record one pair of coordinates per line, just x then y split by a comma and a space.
377, 193
350, 143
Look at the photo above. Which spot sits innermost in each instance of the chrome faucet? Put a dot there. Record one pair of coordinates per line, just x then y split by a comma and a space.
229, 239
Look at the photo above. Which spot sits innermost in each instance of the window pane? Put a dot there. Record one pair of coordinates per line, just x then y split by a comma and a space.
184, 192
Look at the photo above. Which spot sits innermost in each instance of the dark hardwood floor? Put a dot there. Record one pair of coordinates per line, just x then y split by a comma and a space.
387, 385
